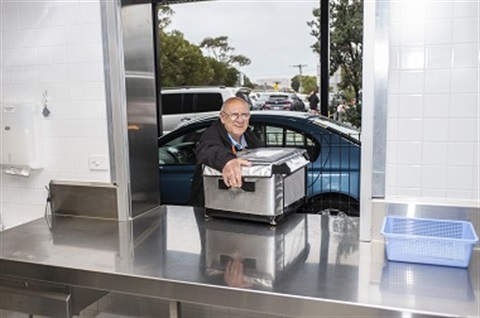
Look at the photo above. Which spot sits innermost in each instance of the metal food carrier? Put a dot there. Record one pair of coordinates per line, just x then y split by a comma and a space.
272, 187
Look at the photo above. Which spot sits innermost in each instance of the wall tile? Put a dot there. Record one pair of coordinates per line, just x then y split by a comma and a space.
439, 56
411, 82
463, 130
410, 129
459, 195
394, 60
412, 106
465, 9
461, 154
465, 30
412, 33
434, 195
437, 106
394, 82
435, 154
392, 106
437, 81
89, 13
465, 55
439, 9
434, 177
409, 153
394, 34
459, 178
438, 31
413, 11
435, 130
392, 131
391, 171
476, 178
408, 193
59, 54
409, 176
412, 57
465, 80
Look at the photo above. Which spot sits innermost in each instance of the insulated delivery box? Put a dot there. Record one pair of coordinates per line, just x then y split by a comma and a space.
273, 186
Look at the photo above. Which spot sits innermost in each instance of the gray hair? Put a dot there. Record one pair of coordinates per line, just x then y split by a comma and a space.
231, 100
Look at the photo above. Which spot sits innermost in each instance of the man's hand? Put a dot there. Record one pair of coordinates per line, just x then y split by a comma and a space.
232, 172
233, 274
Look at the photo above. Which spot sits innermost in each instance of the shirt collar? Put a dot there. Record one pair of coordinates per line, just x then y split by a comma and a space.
240, 146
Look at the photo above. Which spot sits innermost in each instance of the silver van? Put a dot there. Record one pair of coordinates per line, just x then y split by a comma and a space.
181, 104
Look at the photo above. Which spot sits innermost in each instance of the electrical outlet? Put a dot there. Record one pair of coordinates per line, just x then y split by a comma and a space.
98, 162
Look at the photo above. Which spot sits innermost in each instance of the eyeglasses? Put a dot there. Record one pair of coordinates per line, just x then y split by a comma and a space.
235, 116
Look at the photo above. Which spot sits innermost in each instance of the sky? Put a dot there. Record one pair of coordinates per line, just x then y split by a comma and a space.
273, 33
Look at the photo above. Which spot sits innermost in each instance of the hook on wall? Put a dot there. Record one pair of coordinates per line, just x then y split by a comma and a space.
45, 110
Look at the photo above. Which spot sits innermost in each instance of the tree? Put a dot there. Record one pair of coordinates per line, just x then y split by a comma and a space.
223, 74
163, 16
181, 62
218, 47
309, 83
346, 35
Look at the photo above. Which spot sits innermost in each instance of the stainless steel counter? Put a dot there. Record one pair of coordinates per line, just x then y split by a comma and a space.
308, 265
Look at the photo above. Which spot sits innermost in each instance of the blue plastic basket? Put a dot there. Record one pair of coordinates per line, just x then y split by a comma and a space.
429, 241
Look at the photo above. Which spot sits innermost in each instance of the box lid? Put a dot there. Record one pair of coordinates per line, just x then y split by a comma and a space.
268, 161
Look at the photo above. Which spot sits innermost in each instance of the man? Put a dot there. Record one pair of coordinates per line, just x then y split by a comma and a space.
219, 144
342, 111
314, 101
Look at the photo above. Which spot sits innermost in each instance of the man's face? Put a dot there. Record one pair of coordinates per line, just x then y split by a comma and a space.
235, 127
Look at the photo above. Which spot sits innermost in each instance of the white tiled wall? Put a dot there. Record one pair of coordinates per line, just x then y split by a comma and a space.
54, 46
433, 105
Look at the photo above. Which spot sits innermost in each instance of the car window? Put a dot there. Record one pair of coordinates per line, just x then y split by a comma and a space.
278, 97
275, 136
207, 102
177, 104
180, 150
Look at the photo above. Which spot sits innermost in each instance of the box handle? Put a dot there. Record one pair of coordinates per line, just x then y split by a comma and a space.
247, 186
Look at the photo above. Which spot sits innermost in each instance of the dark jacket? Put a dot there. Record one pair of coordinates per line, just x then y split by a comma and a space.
214, 149
314, 101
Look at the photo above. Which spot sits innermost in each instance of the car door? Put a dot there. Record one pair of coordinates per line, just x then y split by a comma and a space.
177, 164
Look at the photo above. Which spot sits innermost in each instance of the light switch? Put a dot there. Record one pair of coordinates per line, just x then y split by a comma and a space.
98, 162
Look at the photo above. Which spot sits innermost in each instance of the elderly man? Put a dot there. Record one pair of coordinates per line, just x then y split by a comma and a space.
219, 144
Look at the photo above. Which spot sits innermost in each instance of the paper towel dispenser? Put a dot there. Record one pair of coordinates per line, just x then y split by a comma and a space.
19, 136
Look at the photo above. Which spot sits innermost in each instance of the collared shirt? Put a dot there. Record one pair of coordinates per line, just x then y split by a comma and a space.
238, 146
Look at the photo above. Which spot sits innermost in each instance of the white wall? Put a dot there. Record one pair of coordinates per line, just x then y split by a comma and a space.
433, 102
54, 46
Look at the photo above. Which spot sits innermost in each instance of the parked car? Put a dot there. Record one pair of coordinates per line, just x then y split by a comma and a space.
284, 101
180, 104
333, 174
261, 99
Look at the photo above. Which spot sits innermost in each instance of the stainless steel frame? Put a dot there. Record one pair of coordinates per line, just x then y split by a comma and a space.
131, 102
375, 93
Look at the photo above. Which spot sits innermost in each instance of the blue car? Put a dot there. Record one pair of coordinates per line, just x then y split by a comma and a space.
333, 174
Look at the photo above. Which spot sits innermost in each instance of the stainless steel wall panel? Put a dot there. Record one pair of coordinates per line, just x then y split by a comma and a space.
131, 98
137, 28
